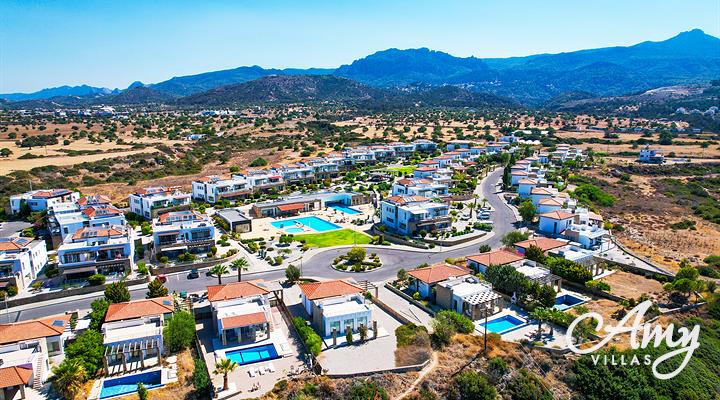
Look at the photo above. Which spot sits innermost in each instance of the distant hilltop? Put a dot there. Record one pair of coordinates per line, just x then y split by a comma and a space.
688, 58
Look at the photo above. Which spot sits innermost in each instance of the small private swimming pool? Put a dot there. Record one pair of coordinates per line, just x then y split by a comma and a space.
253, 354
567, 301
343, 208
128, 384
504, 324
297, 225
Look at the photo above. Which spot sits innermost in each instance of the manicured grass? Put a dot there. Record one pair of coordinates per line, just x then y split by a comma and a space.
334, 238
406, 169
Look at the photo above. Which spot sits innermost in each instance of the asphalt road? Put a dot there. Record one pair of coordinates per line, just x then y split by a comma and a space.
318, 266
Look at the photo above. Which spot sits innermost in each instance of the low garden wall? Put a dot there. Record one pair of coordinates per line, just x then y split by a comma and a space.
38, 297
391, 311
398, 370
450, 242
189, 266
599, 293
397, 239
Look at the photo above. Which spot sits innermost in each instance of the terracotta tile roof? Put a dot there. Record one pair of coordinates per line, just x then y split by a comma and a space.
425, 169
411, 182
406, 199
236, 290
322, 290
101, 210
551, 202
291, 207
97, 231
94, 199
519, 173
12, 244
538, 190
38, 328
543, 243
428, 162
51, 193
140, 308
497, 257
558, 214
14, 376
438, 272
527, 182
238, 321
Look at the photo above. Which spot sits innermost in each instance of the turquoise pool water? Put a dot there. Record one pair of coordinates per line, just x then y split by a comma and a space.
566, 301
503, 324
294, 225
128, 384
343, 208
253, 354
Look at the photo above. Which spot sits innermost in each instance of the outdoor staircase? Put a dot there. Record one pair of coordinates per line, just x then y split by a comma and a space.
39, 367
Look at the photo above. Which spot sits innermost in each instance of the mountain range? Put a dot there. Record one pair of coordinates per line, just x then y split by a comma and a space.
415, 75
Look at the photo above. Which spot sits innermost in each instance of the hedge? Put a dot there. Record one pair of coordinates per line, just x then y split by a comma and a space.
312, 340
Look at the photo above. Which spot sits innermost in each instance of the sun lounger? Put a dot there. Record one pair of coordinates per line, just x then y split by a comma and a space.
252, 372
271, 367
261, 371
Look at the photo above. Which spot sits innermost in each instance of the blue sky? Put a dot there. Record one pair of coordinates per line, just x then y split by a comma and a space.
113, 43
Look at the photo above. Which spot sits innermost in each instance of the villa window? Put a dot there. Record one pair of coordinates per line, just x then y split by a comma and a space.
53, 347
335, 325
350, 323
362, 321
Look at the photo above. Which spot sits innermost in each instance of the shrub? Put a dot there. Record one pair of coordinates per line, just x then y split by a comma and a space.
569, 270
598, 285
117, 293
292, 273
348, 336
258, 162
142, 392
179, 332
461, 323
88, 348
201, 380
143, 268
367, 390
312, 340
96, 279
527, 386
469, 385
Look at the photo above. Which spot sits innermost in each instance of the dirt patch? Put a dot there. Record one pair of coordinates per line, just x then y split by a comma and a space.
627, 285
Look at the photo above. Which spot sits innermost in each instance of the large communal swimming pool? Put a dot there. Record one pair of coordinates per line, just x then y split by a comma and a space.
566, 301
297, 225
253, 354
343, 208
504, 324
128, 384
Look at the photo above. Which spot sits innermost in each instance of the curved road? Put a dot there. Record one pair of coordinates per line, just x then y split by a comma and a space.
317, 266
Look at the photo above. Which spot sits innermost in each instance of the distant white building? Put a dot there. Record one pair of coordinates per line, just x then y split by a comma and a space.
147, 202
651, 156
20, 261
41, 200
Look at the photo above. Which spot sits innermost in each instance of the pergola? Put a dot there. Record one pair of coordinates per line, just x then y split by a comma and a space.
126, 350
483, 303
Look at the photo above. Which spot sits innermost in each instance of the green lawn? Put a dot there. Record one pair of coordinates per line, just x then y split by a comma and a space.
334, 238
406, 169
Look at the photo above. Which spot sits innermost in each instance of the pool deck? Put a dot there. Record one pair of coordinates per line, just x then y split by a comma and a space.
240, 380
262, 228
168, 375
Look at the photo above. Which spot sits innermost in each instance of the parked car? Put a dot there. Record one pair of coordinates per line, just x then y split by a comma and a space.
162, 278
193, 274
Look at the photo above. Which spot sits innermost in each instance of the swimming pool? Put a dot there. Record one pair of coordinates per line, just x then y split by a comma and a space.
343, 208
567, 301
253, 354
128, 384
504, 324
295, 225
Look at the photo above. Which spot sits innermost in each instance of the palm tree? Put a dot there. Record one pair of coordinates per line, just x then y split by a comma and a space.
540, 314
224, 367
69, 377
241, 264
219, 270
